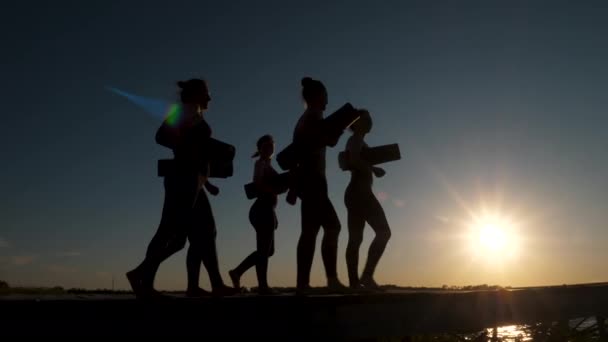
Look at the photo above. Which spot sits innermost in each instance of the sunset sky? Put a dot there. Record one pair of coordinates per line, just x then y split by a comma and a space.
499, 111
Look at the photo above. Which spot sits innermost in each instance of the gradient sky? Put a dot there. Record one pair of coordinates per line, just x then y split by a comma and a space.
502, 107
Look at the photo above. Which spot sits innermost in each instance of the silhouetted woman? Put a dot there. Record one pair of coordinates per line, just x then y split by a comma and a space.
363, 206
186, 212
316, 209
262, 216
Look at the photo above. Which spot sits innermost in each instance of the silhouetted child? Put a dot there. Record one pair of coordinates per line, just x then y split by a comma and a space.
262, 216
363, 206
187, 214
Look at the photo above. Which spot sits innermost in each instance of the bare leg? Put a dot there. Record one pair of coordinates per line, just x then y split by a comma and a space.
265, 245
329, 245
170, 236
307, 242
377, 220
356, 224
162, 246
244, 266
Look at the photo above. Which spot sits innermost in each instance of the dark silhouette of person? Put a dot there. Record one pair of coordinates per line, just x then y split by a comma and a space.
316, 208
187, 213
363, 207
262, 216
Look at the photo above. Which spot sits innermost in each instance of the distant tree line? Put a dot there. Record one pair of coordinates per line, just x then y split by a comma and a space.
5, 288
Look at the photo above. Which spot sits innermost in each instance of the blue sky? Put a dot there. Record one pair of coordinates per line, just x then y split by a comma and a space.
495, 106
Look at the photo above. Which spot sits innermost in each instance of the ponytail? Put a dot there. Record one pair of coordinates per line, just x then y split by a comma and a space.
261, 141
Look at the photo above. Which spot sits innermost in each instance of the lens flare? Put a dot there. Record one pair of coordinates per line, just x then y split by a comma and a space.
157, 108
173, 115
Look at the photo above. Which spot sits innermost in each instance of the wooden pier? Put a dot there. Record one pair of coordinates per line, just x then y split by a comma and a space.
290, 317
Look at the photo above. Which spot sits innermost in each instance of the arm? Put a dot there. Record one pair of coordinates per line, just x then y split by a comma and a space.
378, 171
353, 150
203, 176
292, 193
212, 189
172, 135
167, 136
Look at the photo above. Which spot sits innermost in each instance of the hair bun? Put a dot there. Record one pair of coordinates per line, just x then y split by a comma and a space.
306, 81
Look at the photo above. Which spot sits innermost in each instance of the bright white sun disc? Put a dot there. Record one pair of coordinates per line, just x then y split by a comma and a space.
493, 238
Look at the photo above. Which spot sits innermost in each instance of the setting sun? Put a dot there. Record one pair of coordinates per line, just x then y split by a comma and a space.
493, 237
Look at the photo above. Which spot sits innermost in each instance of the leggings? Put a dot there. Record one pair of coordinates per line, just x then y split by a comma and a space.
186, 215
317, 211
264, 220
362, 207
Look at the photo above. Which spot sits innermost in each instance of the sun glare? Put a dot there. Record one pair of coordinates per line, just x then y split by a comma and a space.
493, 237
